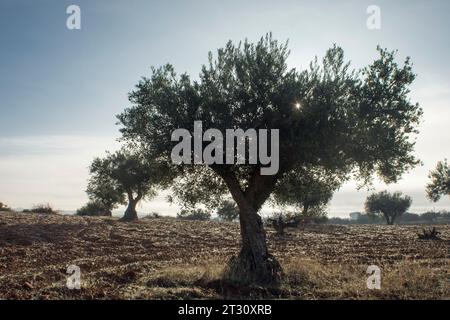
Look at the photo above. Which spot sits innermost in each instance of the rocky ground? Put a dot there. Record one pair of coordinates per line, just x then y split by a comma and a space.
166, 258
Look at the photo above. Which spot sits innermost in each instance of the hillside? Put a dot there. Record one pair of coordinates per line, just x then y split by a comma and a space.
172, 259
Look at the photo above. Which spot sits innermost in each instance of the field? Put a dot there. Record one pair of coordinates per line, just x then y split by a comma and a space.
167, 258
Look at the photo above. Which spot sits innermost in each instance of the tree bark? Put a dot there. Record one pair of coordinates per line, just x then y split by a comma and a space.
131, 213
389, 219
253, 264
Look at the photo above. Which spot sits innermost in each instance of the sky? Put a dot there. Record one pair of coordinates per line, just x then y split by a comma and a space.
61, 89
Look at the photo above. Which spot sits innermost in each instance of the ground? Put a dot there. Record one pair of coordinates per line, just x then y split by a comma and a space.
166, 258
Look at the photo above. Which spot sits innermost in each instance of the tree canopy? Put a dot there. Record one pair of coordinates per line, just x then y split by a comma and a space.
440, 182
390, 206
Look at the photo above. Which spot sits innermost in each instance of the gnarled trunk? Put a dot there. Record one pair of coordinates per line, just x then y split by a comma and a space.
253, 264
131, 213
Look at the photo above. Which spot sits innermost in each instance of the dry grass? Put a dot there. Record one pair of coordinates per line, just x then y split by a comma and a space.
173, 259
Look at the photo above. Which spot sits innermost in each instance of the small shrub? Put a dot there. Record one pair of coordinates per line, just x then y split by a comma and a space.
94, 208
41, 208
430, 234
194, 214
280, 222
154, 215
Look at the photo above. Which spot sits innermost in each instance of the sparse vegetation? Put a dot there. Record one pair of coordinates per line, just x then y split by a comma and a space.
41, 208
194, 214
280, 222
430, 217
153, 215
430, 234
94, 208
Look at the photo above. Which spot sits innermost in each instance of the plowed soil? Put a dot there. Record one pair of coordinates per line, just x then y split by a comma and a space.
167, 258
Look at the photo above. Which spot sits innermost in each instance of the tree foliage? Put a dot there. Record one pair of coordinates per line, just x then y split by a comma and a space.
390, 206
228, 211
102, 189
194, 214
440, 182
94, 208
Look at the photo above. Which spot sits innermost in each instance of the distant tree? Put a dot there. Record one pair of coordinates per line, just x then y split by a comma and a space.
153, 215
440, 181
104, 193
4, 207
125, 174
316, 214
390, 206
228, 211
354, 216
94, 208
194, 214
369, 219
353, 123
430, 216
309, 190
337, 220
410, 217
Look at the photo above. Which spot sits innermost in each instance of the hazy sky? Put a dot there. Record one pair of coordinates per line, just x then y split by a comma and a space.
60, 89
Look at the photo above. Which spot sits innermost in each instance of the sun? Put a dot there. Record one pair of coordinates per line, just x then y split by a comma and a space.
298, 105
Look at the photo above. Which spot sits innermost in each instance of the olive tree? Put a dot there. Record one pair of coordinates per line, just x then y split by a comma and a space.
103, 192
390, 206
309, 190
329, 116
440, 182
124, 175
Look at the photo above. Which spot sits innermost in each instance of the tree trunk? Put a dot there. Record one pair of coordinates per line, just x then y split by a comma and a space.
389, 219
130, 213
253, 264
